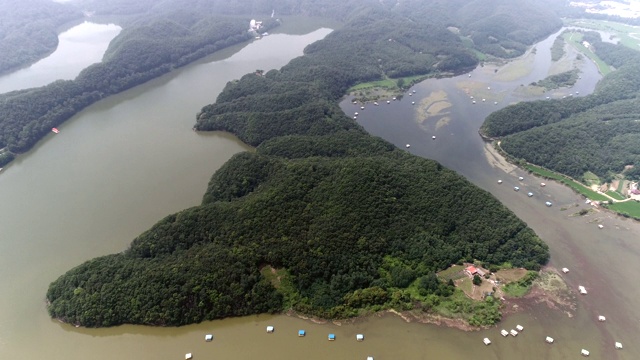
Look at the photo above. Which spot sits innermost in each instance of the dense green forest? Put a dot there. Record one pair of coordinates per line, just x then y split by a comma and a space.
597, 133
349, 221
29, 30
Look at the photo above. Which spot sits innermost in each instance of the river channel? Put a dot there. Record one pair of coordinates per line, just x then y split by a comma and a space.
78, 47
126, 162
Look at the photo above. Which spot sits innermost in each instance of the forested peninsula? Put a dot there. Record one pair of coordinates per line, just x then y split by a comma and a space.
577, 136
322, 218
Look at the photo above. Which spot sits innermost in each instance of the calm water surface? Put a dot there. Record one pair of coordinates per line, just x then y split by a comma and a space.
125, 163
78, 47
598, 259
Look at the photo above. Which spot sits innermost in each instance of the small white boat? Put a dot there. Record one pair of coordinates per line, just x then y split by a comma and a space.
433, 137
504, 332
356, 113
543, 184
375, 103
388, 102
565, 270
394, 98
520, 178
516, 188
483, 100
486, 341
469, 75
488, 87
549, 340
188, 356
413, 103
582, 290
529, 194
548, 203
519, 328
361, 107
471, 97
369, 357
270, 329
602, 318
55, 130
408, 145
513, 332
618, 345
495, 103
473, 102
600, 226
359, 337
414, 91
499, 181
584, 352
208, 337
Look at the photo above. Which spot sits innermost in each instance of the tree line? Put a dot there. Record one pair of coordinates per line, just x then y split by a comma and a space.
350, 220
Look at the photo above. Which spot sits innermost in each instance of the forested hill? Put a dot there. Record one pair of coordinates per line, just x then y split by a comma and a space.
599, 133
29, 30
323, 217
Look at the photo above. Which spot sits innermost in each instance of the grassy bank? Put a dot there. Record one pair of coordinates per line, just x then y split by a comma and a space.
627, 208
578, 187
575, 39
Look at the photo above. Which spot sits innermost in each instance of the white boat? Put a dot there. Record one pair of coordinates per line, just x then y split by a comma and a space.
582, 290
584, 352
413, 103
618, 345
270, 329
433, 137
359, 337
530, 194
516, 188
600, 226
513, 332
486, 341
549, 339
543, 184
208, 337
473, 102
356, 113
504, 332
375, 103
188, 356
361, 107
565, 270
55, 130
520, 178
388, 102
519, 328
602, 318
548, 203
499, 181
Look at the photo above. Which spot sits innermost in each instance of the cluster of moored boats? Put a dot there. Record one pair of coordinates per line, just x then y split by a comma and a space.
271, 329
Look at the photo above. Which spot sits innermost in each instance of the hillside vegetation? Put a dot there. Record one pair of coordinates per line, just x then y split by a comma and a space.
598, 133
29, 30
322, 218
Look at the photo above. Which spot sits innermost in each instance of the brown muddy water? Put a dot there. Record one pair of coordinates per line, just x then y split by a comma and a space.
126, 162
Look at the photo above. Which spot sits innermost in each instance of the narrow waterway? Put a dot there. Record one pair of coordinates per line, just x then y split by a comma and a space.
78, 47
114, 170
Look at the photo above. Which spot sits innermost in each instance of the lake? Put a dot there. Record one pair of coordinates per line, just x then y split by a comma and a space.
126, 162
78, 47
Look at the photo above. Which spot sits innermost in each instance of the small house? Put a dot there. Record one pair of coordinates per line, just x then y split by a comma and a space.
208, 337
302, 333
486, 341
618, 345
471, 270
359, 337
584, 352
549, 340
270, 329
331, 337
519, 328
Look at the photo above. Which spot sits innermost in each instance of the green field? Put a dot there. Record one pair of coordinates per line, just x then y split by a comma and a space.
629, 208
628, 35
616, 195
388, 83
580, 188
575, 39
